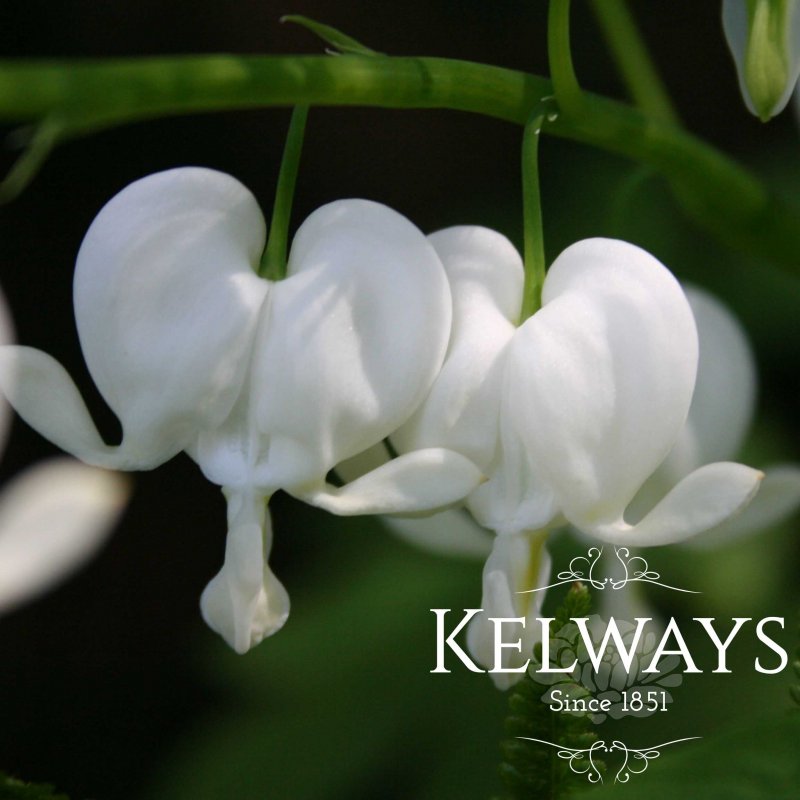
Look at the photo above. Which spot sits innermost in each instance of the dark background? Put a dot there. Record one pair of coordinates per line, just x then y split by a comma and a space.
106, 679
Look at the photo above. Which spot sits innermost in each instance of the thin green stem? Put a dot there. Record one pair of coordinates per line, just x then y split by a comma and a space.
533, 229
633, 60
559, 54
273, 260
718, 194
42, 142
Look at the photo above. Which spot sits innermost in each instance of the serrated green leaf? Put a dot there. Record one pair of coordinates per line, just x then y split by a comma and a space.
531, 770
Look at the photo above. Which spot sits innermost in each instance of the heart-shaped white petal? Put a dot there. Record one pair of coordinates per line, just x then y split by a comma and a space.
598, 382
461, 410
166, 302
53, 518
356, 335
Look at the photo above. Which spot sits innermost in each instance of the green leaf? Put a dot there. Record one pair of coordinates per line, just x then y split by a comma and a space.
13, 789
531, 770
755, 761
340, 41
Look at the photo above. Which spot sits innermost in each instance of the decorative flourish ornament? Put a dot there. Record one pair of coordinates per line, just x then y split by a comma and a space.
635, 761
266, 385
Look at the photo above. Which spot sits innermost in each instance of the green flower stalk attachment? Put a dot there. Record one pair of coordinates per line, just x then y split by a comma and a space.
534, 255
273, 259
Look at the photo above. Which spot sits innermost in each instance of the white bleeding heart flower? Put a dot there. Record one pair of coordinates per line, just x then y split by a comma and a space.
583, 401
764, 39
53, 517
267, 385
579, 406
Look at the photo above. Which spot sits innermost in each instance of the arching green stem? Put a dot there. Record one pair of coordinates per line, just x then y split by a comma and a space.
273, 261
633, 61
533, 231
715, 192
562, 73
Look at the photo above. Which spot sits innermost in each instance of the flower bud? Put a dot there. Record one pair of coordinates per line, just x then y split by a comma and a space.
764, 38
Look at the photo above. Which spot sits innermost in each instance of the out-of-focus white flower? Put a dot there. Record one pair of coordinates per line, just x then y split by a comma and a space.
266, 385
764, 39
718, 422
53, 517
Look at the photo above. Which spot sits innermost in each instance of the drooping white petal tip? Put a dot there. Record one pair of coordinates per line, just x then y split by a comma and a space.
704, 499
53, 518
423, 480
245, 603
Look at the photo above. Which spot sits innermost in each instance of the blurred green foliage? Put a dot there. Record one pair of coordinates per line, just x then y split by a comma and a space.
341, 704
756, 759
14, 789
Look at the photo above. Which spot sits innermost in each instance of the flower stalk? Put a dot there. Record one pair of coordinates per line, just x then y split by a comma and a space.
273, 260
633, 60
533, 229
559, 55
715, 192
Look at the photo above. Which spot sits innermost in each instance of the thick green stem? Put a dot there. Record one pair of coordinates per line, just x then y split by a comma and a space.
715, 191
533, 229
559, 55
273, 261
633, 60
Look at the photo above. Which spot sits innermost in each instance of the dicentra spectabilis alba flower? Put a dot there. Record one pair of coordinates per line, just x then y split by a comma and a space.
764, 39
582, 401
578, 405
53, 517
267, 385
